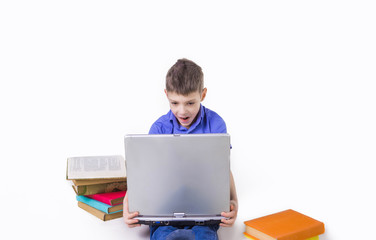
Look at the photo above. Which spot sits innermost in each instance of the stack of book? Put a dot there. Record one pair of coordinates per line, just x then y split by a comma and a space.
285, 225
100, 184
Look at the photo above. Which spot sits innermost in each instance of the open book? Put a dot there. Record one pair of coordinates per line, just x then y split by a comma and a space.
91, 167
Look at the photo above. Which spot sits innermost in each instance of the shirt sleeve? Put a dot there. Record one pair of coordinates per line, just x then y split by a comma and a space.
221, 128
155, 129
217, 125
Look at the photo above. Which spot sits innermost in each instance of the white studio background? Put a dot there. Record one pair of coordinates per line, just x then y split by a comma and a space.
294, 81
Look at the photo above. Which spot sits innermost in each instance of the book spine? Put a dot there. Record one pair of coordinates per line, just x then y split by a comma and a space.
313, 238
249, 236
112, 199
254, 238
115, 215
94, 203
307, 233
101, 199
99, 214
80, 182
100, 188
118, 201
93, 211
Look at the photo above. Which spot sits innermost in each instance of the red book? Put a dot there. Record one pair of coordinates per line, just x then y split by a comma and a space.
110, 198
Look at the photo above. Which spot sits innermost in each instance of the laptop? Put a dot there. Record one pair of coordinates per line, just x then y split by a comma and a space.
178, 179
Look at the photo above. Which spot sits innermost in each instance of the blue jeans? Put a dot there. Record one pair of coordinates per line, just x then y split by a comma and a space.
208, 232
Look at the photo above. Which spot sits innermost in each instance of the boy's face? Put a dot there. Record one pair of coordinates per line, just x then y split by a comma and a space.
185, 108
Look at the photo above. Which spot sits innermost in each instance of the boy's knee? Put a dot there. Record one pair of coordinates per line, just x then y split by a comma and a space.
181, 234
208, 232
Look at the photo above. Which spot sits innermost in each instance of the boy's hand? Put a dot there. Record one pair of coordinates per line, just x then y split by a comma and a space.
128, 217
230, 215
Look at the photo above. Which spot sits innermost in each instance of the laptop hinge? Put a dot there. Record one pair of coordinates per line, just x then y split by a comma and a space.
179, 215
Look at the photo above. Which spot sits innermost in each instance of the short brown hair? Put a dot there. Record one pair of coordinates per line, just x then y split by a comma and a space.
185, 77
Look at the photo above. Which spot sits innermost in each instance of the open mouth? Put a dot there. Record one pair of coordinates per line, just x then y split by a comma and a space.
184, 119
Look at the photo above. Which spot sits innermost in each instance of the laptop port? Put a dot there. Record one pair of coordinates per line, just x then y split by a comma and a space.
200, 223
167, 223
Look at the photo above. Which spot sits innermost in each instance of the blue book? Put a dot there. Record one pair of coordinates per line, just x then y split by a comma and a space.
99, 205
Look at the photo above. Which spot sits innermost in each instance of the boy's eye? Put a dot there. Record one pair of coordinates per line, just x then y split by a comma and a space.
191, 103
174, 103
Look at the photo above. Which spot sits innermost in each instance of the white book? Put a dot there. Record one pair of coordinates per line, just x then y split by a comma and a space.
90, 167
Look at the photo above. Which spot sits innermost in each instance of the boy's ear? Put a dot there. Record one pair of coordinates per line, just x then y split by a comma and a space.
166, 92
203, 94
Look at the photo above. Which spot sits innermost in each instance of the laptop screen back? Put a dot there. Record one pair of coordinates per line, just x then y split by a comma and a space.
169, 174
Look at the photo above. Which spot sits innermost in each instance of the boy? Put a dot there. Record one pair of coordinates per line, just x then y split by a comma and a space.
185, 91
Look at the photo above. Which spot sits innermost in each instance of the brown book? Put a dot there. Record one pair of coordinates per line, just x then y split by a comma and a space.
82, 182
100, 188
99, 214
285, 225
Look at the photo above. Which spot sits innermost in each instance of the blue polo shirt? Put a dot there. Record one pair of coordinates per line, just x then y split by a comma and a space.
207, 121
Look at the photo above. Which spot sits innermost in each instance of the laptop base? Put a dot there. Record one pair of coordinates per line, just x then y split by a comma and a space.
179, 223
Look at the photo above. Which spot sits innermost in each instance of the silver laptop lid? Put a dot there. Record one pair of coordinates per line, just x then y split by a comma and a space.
185, 174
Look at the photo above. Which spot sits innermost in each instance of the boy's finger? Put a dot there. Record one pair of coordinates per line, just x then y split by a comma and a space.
224, 214
227, 223
132, 223
228, 214
224, 225
132, 215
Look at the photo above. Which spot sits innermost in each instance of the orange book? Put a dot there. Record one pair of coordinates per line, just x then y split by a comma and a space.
285, 225
253, 238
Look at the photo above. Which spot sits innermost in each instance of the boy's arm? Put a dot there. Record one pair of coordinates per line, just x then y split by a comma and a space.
233, 195
233, 205
127, 216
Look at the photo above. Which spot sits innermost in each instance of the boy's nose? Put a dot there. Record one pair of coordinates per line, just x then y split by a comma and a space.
182, 110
